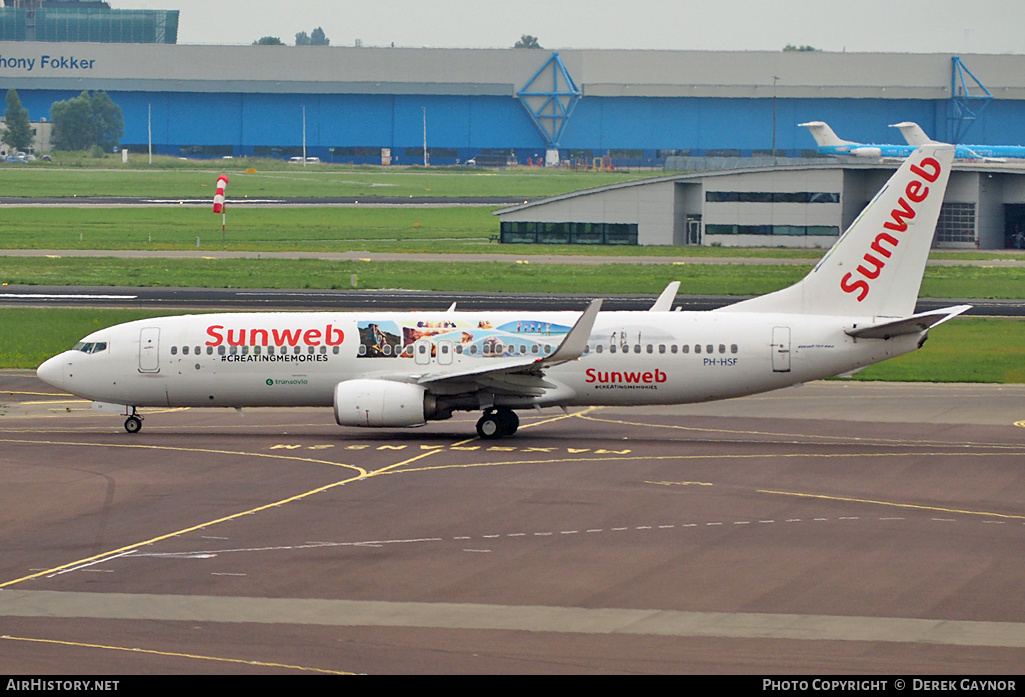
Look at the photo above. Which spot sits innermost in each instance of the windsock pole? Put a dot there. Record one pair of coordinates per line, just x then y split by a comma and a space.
220, 205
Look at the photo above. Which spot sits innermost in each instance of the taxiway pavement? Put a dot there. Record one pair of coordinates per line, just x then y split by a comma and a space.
838, 527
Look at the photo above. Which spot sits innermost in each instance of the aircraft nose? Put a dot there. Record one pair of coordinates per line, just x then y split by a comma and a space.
52, 371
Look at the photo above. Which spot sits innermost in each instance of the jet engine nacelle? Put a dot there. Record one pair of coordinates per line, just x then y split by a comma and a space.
382, 403
867, 152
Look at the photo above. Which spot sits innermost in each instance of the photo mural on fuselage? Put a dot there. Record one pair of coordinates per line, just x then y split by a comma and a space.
390, 339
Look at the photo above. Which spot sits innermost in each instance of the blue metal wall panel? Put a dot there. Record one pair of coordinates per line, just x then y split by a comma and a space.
496, 120
472, 123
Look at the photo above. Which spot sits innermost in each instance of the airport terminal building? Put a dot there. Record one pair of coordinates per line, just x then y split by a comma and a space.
500, 106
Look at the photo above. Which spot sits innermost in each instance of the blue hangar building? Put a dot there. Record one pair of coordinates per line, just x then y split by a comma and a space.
499, 105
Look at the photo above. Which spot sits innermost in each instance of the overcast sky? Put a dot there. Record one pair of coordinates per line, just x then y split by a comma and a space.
915, 26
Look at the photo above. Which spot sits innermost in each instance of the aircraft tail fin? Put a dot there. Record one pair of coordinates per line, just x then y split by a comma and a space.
824, 135
875, 269
913, 133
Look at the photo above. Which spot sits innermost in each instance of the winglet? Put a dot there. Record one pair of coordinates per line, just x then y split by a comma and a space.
665, 301
572, 347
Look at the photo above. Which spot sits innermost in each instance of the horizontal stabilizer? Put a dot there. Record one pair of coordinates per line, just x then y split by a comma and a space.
908, 325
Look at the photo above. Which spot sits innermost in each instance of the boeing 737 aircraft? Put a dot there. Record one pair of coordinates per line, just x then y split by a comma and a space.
381, 369
915, 136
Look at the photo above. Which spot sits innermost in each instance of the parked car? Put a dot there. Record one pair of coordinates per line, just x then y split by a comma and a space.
17, 158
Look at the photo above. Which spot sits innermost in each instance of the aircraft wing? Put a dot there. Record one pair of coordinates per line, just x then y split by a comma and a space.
907, 325
521, 375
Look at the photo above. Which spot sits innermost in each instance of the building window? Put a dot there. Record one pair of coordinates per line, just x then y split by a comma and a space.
956, 224
777, 230
569, 233
771, 197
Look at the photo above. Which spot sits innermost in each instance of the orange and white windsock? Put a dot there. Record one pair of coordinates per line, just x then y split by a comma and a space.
222, 181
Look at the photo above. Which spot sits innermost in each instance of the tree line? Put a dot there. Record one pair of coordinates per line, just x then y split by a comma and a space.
86, 122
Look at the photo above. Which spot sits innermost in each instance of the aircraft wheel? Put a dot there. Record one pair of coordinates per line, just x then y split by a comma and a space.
489, 427
510, 422
133, 424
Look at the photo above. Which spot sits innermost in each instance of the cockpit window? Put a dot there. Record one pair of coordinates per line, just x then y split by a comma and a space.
91, 347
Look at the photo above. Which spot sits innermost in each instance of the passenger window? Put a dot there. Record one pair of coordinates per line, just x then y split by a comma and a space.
697, 348
637, 348
598, 349
174, 350
651, 349
733, 348
722, 348
185, 350
685, 348
220, 351
709, 348
612, 349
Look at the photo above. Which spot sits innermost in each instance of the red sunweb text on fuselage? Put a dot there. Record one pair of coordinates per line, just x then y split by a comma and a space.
328, 336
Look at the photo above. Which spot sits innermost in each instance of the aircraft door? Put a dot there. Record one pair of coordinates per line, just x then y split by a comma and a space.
422, 352
444, 353
149, 350
781, 349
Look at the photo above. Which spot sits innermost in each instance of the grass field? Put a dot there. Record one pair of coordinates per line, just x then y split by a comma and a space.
259, 229
297, 182
962, 350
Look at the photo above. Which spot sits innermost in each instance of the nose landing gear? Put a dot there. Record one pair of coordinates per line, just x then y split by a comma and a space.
498, 422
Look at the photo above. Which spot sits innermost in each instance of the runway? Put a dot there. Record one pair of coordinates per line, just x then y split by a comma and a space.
833, 528
247, 300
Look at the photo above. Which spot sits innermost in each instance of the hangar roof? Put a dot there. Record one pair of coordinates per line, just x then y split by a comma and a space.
610, 73
1011, 167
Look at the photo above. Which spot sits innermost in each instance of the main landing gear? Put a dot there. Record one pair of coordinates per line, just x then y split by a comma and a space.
133, 424
498, 422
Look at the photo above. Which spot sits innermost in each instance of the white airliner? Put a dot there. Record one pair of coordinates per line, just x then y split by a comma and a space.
378, 369
915, 136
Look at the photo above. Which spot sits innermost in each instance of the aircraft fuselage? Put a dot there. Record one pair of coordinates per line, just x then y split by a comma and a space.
297, 359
